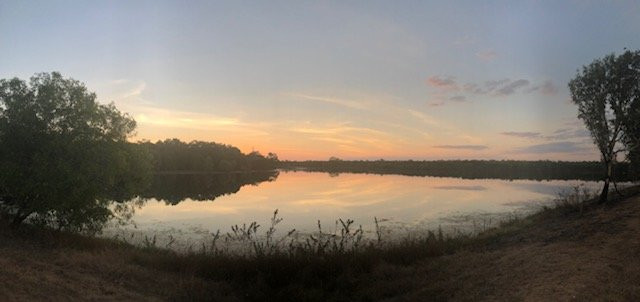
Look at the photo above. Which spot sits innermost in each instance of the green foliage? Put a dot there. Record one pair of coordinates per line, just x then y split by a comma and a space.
64, 156
607, 93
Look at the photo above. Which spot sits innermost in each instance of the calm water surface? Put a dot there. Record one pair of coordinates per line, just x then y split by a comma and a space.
303, 198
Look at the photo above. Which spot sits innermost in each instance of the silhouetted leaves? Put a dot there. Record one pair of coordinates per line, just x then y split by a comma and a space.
64, 157
607, 93
173, 155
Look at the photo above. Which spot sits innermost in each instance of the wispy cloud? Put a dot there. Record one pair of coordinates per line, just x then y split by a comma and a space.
123, 90
447, 83
119, 81
569, 133
555, 147
492, 85
355, 104
525, 134
448, 88
511, 87
423, 117
561, 130
337, 129
462, 147
458, 98
577, 132
487, 55
472, 88
436, 103
346, 137
158, 117
171, 118
408, 129
135, 91
546, 88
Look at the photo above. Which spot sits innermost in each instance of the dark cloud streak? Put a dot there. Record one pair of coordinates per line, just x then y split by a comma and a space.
555, 147
458, 98
511, 87
530, 135
560, 134
546, 88
447, 83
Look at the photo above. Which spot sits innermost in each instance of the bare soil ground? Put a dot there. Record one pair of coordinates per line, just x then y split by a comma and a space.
42, 269
590, 257
552, 257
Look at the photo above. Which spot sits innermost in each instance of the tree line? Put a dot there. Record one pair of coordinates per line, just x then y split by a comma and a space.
471, 169
173, 155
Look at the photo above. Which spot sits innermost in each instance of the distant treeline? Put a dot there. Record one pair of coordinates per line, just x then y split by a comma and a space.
173, 155
473, 169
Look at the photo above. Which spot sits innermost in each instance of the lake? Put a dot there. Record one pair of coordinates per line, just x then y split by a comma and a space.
191, 207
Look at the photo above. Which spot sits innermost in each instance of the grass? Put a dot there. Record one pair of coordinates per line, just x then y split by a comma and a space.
316, 267
343, 265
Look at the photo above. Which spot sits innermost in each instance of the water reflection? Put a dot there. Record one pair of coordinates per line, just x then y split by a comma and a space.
174, 188
467, 188
183, 205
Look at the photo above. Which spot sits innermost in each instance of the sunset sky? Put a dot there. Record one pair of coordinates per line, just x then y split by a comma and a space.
353, 79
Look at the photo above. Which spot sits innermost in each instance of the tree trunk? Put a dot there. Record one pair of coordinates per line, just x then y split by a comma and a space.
605, 191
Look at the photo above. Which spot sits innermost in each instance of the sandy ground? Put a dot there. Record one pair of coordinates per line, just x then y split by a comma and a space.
31, 271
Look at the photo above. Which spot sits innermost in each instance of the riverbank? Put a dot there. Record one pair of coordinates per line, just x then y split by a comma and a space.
569, 252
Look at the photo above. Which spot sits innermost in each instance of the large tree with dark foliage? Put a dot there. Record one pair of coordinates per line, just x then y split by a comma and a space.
63, 156
607, 93
630, 61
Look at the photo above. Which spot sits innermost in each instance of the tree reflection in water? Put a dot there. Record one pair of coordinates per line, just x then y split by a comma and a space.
174, 188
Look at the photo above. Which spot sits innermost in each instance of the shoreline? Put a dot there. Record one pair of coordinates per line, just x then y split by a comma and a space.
558, 254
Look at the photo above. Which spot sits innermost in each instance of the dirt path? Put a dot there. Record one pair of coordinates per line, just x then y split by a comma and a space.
30, 271
593, 257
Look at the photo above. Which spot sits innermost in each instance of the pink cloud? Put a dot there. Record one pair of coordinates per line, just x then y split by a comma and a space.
443, 83
488, 55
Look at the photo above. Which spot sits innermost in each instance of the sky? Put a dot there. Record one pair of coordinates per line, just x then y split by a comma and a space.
315, 79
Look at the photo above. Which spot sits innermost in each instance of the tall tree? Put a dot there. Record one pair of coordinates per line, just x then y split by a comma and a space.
629, 64
64, 156
606, 91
